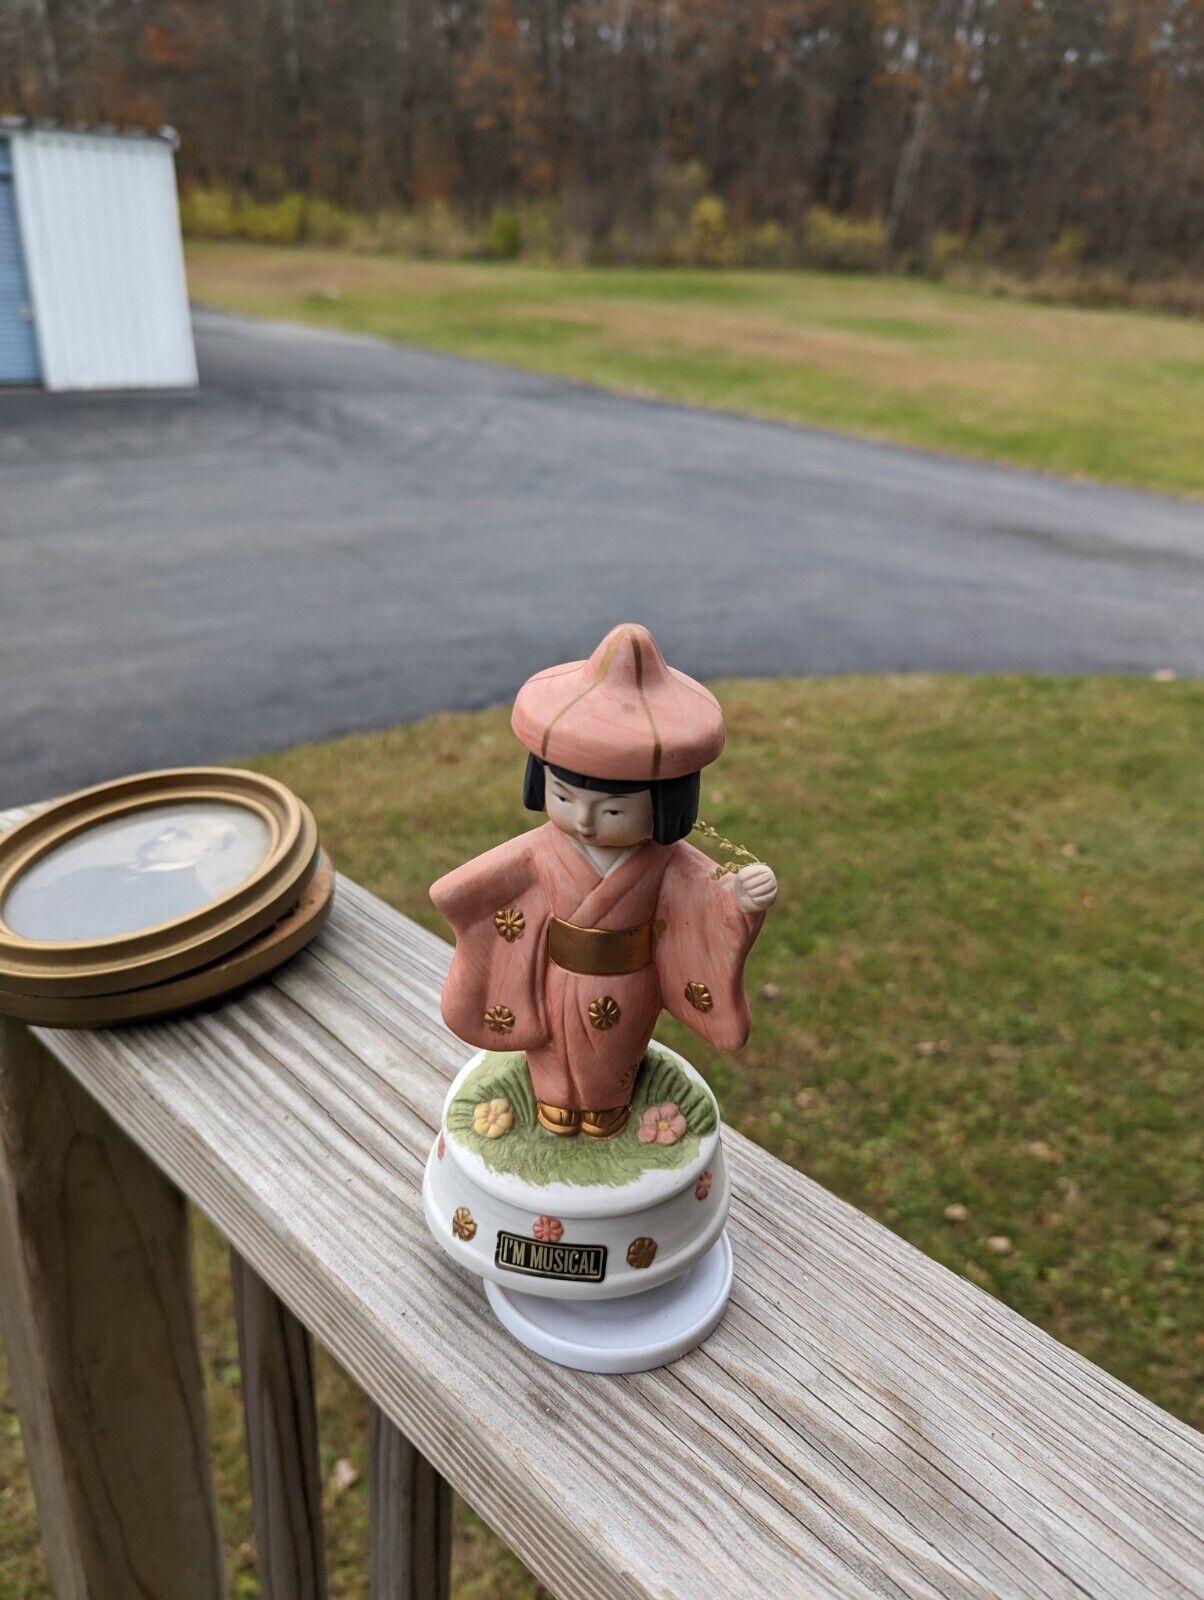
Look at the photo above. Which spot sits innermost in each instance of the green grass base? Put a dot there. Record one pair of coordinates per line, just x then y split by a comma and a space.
530, 1152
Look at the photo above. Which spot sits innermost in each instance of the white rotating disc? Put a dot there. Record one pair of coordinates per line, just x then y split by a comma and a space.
630, 1333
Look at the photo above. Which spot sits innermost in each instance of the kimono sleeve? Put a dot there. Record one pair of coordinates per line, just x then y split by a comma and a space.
498, 911
701, 954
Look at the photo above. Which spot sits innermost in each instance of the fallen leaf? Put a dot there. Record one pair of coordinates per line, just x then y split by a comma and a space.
999, 1244
343, 1476
1043, 1151
956, 1213
770, 991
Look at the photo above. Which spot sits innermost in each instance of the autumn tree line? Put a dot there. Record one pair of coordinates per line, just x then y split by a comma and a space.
1025, 130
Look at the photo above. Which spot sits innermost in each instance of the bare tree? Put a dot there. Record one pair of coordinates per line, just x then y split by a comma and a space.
1075, 124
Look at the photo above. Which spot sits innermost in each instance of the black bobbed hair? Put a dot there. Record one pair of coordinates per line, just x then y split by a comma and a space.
674, 800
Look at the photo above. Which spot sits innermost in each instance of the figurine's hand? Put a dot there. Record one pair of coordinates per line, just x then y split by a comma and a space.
756, 888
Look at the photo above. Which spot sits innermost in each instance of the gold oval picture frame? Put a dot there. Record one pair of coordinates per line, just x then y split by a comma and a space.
185, 818
218, 981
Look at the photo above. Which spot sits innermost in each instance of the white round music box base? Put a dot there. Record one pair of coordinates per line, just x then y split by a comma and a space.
605, 1276
631, 1333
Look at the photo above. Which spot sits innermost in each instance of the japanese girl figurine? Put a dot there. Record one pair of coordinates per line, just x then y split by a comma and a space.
572, 938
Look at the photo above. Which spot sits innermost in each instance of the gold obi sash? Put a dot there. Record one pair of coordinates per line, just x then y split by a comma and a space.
602, 952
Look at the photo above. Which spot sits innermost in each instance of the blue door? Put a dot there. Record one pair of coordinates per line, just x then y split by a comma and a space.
18, 342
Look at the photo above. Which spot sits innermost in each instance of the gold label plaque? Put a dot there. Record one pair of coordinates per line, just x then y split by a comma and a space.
579, 1263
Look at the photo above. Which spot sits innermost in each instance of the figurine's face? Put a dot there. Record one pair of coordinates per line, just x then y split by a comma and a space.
603, 821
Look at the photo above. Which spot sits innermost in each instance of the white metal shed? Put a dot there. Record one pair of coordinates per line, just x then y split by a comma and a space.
92, 288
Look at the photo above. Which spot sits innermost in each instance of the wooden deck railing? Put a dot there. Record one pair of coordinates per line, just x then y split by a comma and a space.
863, 1423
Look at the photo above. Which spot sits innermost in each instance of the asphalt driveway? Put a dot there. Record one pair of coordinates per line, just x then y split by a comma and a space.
337, 533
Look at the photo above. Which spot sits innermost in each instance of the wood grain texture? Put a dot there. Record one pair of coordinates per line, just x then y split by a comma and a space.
411, 1507
863, 1422
96, 1309
276, 1362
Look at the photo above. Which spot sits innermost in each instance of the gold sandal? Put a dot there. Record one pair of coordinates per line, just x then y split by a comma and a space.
606, 1124
558, 1119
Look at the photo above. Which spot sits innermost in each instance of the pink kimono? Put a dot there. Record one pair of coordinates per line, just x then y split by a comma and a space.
585, 1034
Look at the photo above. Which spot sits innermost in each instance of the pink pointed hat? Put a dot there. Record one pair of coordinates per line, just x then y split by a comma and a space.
623, 714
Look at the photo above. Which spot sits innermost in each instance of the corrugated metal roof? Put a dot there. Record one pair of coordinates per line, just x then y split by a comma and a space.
101, 129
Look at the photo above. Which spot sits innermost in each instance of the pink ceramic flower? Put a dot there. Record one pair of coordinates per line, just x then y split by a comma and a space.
548, 1230
661, 1125
441, 1147
703, 1187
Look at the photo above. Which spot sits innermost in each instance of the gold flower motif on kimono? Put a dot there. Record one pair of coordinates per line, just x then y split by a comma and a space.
699, 996
641, 1252
604, 1012
500, 1019
509, 922
463, 1225
491, 1119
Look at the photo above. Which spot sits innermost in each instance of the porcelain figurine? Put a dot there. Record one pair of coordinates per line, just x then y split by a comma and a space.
570, 941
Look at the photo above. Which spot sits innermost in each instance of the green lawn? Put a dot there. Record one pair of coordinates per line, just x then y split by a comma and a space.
981, 989
1100, 394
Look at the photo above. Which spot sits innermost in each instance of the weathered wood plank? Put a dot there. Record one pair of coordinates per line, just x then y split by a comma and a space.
276, 1361
411, 1507
96, 1309
863, 1423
